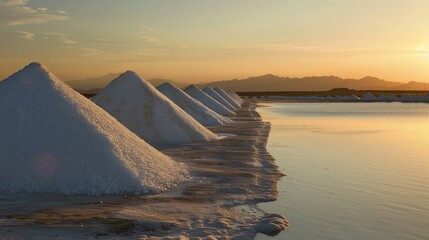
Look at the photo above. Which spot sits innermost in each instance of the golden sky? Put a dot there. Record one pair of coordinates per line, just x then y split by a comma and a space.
205, 40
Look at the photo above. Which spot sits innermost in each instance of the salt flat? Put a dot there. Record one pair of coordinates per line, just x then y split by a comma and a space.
229, 177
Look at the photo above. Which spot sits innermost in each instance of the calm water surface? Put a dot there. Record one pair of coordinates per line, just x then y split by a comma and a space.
354, 170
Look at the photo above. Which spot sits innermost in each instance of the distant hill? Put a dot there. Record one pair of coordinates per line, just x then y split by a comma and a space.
97, 83
271, 82
93, 83
158, 81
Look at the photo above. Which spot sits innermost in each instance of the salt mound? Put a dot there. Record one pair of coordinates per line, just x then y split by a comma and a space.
229, 99
354, 98
368, 97
426, 98
382, 98
391, 98
405, 98
54, 140
212, 93
197, 110
418, 98
235, 95
338, 98
208, 101
148, 113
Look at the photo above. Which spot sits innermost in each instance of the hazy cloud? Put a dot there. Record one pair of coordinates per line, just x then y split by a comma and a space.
61, 11
26, 35
60, 37
151, 40
146, 27
17, 12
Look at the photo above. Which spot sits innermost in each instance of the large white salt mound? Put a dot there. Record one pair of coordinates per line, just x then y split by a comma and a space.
212, 93
208, 101
54, 140
148, 113
368, 97
225, 96
197, 110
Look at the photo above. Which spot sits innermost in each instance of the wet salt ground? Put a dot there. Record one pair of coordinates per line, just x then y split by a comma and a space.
230, 176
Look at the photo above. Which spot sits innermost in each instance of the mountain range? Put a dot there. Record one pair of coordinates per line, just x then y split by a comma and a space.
274, 83
269, 83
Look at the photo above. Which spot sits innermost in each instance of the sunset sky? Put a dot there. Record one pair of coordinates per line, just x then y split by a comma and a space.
205, 40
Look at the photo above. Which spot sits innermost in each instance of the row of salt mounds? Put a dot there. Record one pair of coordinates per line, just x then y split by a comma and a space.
205, 99
54, 140
197, 110
225, 96
148, 113
212, 93
393, 98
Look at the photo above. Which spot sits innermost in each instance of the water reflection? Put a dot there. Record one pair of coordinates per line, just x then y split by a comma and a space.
354, 170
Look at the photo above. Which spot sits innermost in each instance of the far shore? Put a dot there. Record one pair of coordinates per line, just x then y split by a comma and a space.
333, 92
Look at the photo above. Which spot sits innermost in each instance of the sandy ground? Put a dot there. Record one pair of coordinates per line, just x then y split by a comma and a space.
230, 177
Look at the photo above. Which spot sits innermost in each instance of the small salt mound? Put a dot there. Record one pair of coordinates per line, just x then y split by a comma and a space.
405, 98
235, 96
426, 98
197, 110
212, 93
225, 96
208, 101
347, 98
418, 98
368, 97
391, 98
148, 113
329, 98
54, 140
338, 98
354, 98
381, 98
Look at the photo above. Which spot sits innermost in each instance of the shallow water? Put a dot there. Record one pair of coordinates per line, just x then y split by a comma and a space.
354, 170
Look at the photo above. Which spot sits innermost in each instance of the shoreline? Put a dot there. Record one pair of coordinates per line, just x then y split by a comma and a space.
230, 176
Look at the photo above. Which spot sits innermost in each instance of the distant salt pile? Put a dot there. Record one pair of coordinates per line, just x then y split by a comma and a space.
208, 101
235, 96
381, 98
354, 98
338, 98
54, 140
418, 98
391, 98
197, 110
426, 98
212, 93
368, 97
228, 98
329, 98
347, 98
405, 98
148, 113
